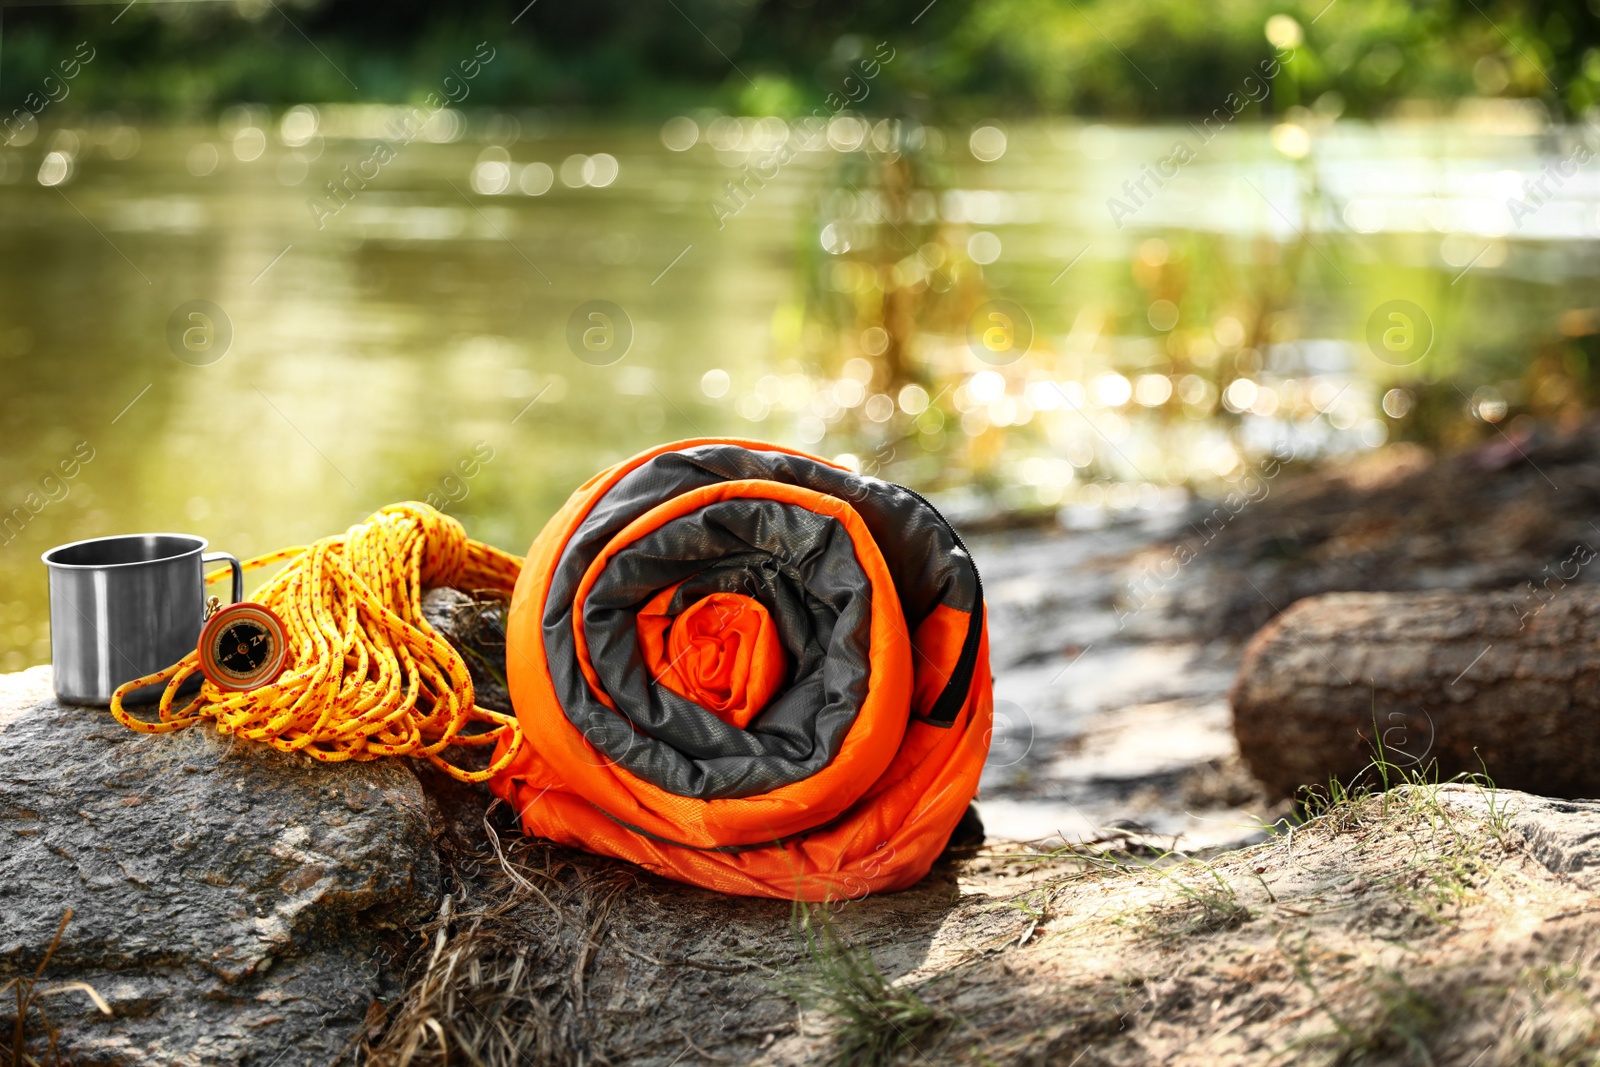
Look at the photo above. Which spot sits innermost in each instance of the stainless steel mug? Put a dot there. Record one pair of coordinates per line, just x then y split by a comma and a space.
124, 607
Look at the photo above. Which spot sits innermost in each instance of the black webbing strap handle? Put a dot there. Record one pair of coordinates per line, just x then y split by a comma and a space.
954, 696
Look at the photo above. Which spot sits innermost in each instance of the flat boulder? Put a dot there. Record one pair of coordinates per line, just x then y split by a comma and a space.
231, 904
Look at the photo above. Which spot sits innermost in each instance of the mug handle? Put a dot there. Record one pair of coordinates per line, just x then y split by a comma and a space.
238, 571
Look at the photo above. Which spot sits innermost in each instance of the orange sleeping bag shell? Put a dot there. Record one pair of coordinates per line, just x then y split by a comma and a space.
751, 669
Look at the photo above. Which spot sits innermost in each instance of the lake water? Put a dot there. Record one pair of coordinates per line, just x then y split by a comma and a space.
507, 305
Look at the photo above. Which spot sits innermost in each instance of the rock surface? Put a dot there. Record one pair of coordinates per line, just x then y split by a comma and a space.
477, 629
1496, 517
1564, 835
232, 904
1450, 677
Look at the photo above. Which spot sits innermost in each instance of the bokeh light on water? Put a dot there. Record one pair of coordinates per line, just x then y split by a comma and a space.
1006, 316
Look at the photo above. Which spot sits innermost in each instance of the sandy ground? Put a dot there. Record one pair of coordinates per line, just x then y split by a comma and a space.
1107, 716
1417, 928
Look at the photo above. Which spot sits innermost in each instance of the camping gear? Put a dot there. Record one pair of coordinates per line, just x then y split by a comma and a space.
122, 607
751, 669
732, 663
336, 659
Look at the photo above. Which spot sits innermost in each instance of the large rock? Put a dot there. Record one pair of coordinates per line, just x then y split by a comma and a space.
1506, 683
1564, 835
477, 628
234, 905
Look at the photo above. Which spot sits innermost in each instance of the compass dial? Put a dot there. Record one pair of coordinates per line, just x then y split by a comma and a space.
243, 646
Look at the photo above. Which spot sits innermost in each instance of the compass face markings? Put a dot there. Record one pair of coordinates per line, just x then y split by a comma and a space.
243, 647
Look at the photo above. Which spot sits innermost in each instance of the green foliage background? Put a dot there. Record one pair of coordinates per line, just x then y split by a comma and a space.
955, 59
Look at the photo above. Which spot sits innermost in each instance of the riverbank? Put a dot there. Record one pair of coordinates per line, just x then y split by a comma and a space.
1113, 661
1138, 900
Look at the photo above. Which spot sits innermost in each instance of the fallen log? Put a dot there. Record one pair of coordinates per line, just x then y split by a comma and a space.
1506, 684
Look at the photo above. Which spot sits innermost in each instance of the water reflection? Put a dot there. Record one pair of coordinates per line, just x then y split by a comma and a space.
965, 311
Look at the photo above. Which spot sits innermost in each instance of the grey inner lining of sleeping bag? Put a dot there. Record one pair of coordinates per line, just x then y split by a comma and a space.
829, 619
800, 564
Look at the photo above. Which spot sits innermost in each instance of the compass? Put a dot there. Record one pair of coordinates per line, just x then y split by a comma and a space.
243, 646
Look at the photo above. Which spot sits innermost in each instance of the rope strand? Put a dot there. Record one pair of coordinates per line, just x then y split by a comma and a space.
366, 675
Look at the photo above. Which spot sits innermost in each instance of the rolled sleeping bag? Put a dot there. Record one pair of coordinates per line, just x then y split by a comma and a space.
750, 669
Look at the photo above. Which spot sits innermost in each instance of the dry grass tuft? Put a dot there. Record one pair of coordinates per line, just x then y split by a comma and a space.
501, 980
873, 1019
28, 996
544, 955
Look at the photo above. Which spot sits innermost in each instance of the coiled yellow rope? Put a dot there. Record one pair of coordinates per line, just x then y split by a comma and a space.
366, 675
